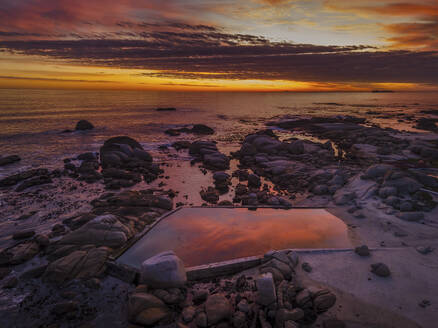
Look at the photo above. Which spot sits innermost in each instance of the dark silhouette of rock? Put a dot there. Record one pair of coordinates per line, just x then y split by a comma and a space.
9, 159
83, 125
380, 269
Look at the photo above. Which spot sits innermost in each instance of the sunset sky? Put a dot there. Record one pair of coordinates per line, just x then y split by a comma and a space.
260, 45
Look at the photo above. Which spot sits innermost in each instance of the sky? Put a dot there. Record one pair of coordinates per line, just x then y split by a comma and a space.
217, 45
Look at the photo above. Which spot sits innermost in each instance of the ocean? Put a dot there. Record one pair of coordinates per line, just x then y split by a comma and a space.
32, 121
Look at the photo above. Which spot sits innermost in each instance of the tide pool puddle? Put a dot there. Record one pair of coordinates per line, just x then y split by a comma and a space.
206, 235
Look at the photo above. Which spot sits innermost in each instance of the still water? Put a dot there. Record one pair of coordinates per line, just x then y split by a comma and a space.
207, 235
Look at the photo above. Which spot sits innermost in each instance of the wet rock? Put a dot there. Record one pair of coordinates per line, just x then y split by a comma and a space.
306, 267
296, 147
165, 109
164, 270
83, 125
320, 190
387, 191
169, 296
23, 234
380, 269
303, 298
201, 320
199, 296
254, 181
426, 124
202, 129
4, 272
411, 216
34, 272
362, 250
35, 181
11, 282
266, 289
343, 198
284, 315
16, 178
218, 308
377, 171
63, 308
188, 314
146, 309
424, 249
243, 306
323, 300
19, 253
9, 159
406, 206
104, 230
79, 264
210, 195
239, 320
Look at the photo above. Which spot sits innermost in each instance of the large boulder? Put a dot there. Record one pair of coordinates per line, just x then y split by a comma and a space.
377, 171
118, 150
19, 253
164, 270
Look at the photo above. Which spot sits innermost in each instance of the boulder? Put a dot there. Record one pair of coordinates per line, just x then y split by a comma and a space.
202, 129
377, 171
146, 309
77, 265
19, 253
380, 269
164, 270
83, 125
104, 230
323, 300
411, 216
218, 308
362, 250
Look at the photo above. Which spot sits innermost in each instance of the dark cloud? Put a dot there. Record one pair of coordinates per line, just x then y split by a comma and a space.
6, 77
189, 53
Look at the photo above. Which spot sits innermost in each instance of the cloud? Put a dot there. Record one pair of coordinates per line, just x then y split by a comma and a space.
216, 55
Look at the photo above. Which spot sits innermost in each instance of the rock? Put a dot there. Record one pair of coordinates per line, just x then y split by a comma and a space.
16, 178
333, 323
34, 272
426, 124
146, 309
387, 191
202, 129
188, 314
239, 320
290, 324
306, 267
362, 250
19, 253
404, 185
211, 195
11, 282
164, 270
104, 230
411, 216
84, 125
296, 147
218, 308
63, 308
201, 320
23, 234
9, 159
380, 269
320, 190
303, 298
199, 296
221, 176
284, 315
79, 264
424, 250
254, 181
323, 300
377, 171
343, 198
243, 306
35, 181
165, 109
4, 272
406, 206
266, 289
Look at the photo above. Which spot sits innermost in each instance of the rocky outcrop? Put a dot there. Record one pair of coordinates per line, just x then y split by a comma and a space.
207, 153
9, 159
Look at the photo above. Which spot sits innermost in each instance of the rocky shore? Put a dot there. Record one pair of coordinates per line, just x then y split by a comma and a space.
62, 228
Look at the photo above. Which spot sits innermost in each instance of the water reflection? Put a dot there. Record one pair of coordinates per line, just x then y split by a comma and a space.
206, 235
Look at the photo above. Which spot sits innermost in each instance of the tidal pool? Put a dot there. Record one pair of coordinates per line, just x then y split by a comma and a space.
207, 235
